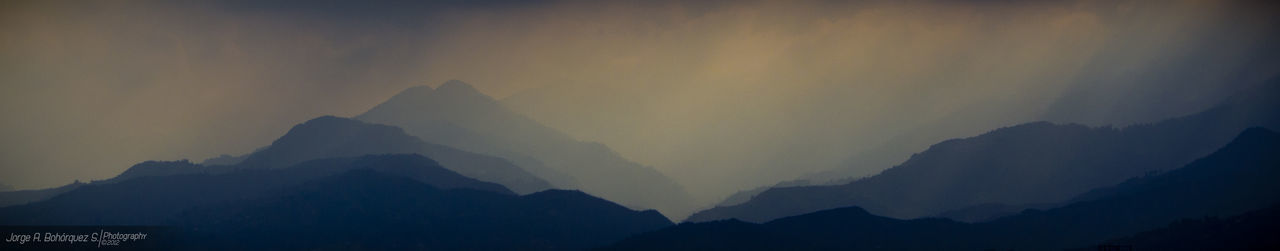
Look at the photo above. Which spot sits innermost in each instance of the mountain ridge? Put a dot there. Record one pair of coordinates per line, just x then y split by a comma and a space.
331, 136
458, 115
367, 208
1031, 163
1236, 179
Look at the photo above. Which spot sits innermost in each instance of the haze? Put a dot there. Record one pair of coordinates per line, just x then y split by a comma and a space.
720, 96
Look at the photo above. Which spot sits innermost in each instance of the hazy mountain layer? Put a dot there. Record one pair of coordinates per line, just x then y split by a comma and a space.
1026, 164
327, 137
457, 115
323, 137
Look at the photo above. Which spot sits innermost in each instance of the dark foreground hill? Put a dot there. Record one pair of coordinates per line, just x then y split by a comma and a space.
1251, 231
1236, 179
363, 209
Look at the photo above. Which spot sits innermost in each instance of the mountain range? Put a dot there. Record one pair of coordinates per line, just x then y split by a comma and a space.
467, 173
325, 202
19, 197
362, 209
1030, 164
350, 174
322, 137
153, 199
328, 136
1234, 180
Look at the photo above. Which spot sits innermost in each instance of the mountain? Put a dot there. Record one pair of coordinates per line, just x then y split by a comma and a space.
151, 200
746, 195
1035, 163
322, 137
160, 168
370, 210
328, 137
224, 160
10, 198
392, 201
431, 115
990, 211
457, 115
144, 169
1236, 179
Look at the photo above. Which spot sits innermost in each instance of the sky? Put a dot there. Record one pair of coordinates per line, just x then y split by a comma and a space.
719, 95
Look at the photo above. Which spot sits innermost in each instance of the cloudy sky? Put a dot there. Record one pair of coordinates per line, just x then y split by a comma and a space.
720, 95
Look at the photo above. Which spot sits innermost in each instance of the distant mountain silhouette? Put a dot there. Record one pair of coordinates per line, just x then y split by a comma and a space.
742, 196
457, 115
160, 168
328, 136
323, 137
990, 211
370, 210
150, 200
224, 160
19, 197
746, 195
1236, 179
1035, 163
144, 169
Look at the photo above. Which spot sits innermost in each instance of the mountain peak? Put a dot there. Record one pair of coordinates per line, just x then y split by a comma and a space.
330, 136
413, 92
327, 119
417, 89
328, 124
457, 86
158, 168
